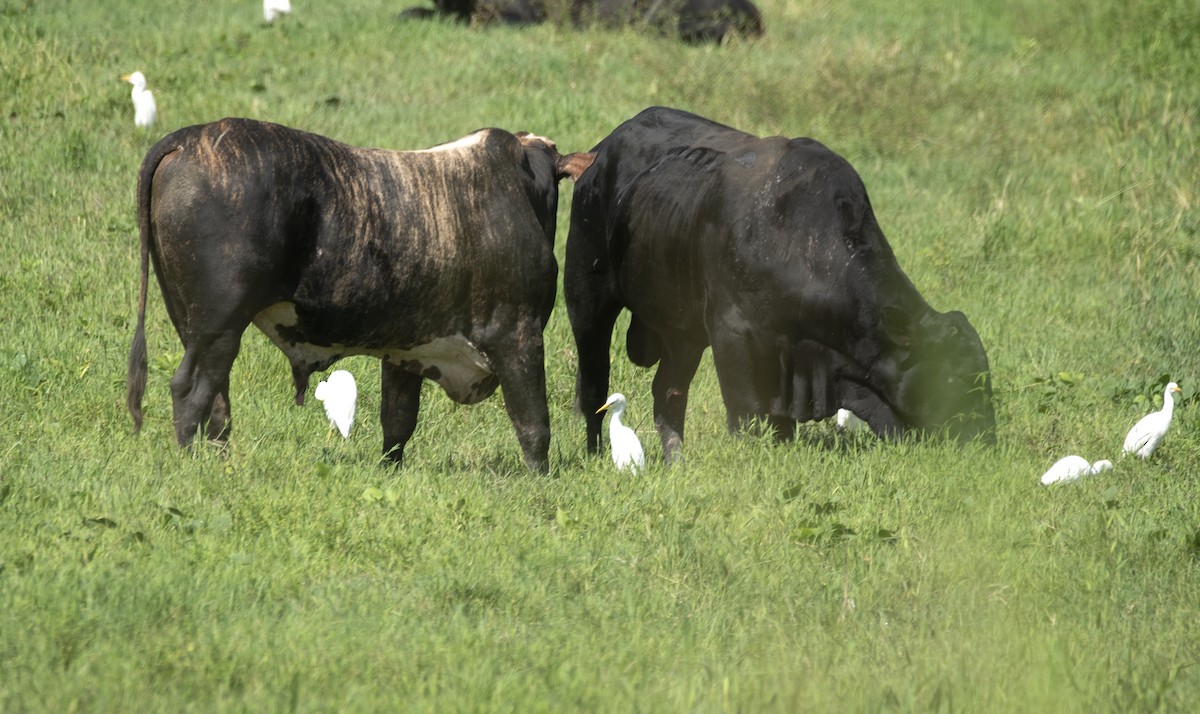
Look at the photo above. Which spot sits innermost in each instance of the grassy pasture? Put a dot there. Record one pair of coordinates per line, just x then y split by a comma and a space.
1033, 164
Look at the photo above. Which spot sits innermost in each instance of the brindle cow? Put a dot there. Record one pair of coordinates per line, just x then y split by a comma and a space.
439, 262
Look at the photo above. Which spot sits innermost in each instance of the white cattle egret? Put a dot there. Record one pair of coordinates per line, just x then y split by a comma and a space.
144, 110
848, 421
626, 449
1073, 468
339, 395
272, 9
1145, 436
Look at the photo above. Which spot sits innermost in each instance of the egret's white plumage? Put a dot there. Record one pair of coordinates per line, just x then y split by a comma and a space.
339, 394
848, 421
144, 110
1073, 468
1146, 435
272, 9
626, 449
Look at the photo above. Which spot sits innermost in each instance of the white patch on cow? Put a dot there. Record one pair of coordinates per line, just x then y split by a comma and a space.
464, 143
527, 138
452, 361
282, 314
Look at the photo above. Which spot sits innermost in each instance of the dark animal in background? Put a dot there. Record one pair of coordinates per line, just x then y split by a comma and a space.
439, 262
694, 21
417, 13
714, 20
460, 10
512, 12
506, 12
766, 249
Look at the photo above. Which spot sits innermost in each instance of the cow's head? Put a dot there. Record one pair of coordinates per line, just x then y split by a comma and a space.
942, 380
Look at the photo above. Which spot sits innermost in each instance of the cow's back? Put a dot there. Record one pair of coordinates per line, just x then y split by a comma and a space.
643, 140
799, 225
239, 196
632, 148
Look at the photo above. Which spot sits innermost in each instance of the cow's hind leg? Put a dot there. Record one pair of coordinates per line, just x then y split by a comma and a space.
219, 420
200, 387
400, 402
670, 389
593, 313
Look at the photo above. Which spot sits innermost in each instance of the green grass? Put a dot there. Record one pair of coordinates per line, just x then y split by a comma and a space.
1034, 166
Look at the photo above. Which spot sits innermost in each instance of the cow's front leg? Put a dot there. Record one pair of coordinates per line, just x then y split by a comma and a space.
871, 408
300, 374
523, 381
670, 389
400, 400
751, 378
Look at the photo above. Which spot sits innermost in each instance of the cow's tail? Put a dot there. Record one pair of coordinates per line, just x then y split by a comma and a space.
135, 380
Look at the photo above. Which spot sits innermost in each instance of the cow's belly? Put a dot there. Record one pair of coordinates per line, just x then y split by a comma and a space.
453, 361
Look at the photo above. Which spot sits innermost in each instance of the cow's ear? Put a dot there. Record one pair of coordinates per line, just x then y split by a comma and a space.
573, 165
897, 325
956, 324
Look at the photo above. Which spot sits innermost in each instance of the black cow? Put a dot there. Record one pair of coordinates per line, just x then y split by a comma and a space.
505, 12
695, 21
714, 20
767, 249
439, 262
